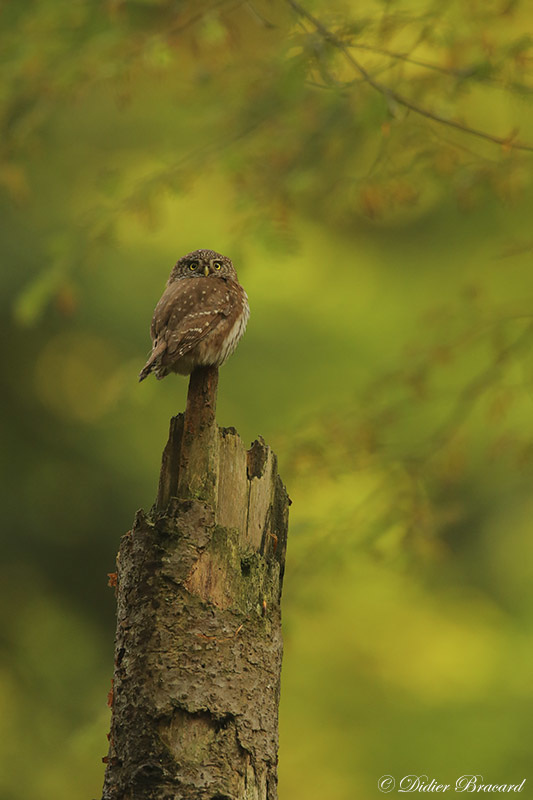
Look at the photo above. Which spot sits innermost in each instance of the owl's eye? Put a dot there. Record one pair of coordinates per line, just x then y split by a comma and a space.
217, 264
193, 265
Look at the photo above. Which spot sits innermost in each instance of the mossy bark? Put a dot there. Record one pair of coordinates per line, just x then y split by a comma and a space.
198, 646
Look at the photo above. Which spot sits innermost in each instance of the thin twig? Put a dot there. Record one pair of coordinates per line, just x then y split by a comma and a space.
200, 15
473, 391
258, 16
465, 72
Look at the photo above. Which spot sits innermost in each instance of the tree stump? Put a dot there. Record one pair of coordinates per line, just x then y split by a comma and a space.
198, 644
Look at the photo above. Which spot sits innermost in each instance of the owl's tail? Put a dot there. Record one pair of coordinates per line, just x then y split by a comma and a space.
146, 370
152, 362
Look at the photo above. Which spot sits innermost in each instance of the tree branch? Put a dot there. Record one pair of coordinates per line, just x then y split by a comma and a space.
391, 94
465, 72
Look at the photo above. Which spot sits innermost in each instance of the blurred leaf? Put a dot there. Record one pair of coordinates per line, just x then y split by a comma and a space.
212, 31
14, 179
32, 301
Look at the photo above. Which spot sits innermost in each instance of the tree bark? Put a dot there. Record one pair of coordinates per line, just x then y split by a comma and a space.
198, 645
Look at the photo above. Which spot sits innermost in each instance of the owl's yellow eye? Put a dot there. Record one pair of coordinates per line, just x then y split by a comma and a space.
193, 265
217, 264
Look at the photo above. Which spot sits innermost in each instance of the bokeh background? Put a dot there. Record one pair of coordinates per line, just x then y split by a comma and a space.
388, 261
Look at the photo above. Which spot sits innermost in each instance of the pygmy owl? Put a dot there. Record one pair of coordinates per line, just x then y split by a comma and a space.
200, 318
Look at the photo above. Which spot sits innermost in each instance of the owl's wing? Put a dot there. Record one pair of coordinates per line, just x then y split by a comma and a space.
188, 311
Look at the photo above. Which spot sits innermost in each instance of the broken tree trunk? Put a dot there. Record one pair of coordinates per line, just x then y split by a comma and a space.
198, 644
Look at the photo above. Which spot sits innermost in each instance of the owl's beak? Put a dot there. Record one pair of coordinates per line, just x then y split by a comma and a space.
206, 270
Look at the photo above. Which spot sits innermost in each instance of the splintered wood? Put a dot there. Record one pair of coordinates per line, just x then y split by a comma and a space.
242, 483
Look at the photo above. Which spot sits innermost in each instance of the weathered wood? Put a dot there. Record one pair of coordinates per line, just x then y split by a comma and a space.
198, 645
170, 464
202, 398
190, 460
198, 470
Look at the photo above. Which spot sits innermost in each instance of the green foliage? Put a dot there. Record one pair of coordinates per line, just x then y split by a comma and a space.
387, 256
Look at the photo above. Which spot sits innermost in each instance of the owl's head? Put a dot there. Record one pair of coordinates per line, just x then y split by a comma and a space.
202, 264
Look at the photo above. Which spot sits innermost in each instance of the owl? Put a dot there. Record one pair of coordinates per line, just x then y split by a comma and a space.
200, 318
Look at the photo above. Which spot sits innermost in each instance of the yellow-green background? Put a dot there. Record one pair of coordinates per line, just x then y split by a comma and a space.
387, 361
